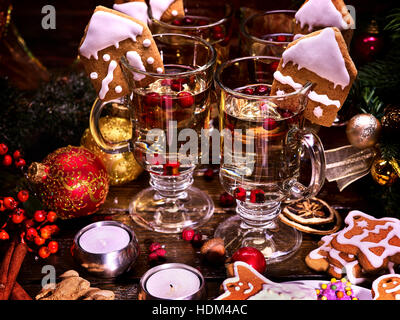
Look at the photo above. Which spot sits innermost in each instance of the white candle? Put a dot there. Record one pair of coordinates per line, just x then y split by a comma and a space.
104, 239
173, 283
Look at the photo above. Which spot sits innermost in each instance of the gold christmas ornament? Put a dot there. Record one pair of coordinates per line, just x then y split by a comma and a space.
363, 130
121, 167
383, 172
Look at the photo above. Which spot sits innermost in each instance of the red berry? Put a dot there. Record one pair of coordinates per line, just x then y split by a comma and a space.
270, 124
3, 149
186, 99
51, 216
53, 246
226, 200
197, 240
17, 154
39, 215
177, 22
10, 203
4, 235
251, 256
7, 160
248, 91
177, 85
202, 22
23, 195
188, 234
53, 228
152, 99
154, 246
31, 234
2, 207
209, 174
218, 35
171, 169
29, 223
166, 82
257, 196
160, 252
262, 90
240, 194
20, 163
39, 241
187, 21
18, 216
153, 256
44, 252
45, 232
281, 38
217, 29
274, 65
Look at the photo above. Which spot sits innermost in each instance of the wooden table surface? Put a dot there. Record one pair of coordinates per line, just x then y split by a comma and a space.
178, 250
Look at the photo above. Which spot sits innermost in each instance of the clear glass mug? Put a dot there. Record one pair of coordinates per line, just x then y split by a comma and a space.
170, 110
267, 33
262, 141
211, 22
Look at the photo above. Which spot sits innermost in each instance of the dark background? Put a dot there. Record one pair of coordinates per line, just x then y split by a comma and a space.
58, 48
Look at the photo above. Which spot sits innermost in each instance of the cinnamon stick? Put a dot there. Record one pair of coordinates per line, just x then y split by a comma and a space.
5, 264
19, 293
17, 258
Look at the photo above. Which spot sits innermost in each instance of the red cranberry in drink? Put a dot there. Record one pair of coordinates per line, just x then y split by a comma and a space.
171, 169
218, 35
202, 22
188, 21
177, 84
166, 82
274, 65
152, 99
257, 196
186, 99
177, 22
281, 38
249, 91
269, 124
262, 90
240, 193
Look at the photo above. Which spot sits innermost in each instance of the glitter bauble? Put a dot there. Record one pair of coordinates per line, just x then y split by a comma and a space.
72, 181
121, 167
363, 130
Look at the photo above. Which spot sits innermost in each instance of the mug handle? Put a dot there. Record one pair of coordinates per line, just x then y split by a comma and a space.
105, 145
313, 145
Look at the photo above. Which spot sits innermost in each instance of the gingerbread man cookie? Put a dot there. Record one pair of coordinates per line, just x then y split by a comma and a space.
167, 10
136, 9
248, 284
376, 242
323, 59
108, 37
386, 287
314, 15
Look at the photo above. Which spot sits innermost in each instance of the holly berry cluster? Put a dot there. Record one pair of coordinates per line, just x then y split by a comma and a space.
9, 159
36, 230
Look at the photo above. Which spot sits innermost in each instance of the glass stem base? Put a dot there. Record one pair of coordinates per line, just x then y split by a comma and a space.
258, 226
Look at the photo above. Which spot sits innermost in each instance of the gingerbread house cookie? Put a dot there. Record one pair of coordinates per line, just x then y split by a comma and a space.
109, 36
386, 287
314, 15
136, 9
248, 284
167, 10
323, 59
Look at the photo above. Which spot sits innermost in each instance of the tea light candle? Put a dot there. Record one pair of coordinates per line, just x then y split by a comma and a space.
104, 239
173, 281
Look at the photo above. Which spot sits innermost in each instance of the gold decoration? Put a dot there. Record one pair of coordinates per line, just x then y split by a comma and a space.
363, 130
121, 167
383, 172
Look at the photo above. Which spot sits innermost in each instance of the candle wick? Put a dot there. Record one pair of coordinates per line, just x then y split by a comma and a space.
171, 285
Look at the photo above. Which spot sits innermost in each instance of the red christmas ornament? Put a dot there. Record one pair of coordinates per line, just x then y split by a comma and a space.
368, 44
251, 256
72, 181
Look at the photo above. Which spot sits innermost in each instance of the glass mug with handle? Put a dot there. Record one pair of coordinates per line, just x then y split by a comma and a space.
262, 141
169, 109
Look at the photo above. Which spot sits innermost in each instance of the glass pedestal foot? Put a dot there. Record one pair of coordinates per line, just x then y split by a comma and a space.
276, 241
191, 209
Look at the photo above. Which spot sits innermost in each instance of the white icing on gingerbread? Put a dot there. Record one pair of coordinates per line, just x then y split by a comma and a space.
158, 7
320, 13
146, 43
358, 240
150, 60
94, 75
159, 70
297, 36
107, 29
174, 13
106, 57
118, 89
285, 291
287, 80
378, 281
325, 247
107, 80
320, 54
251, 287
135, 9
323, 98
135, 61
318, 112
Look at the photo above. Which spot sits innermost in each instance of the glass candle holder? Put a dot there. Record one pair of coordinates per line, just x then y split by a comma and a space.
267, 33
262, 142
211, 22
169, 112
